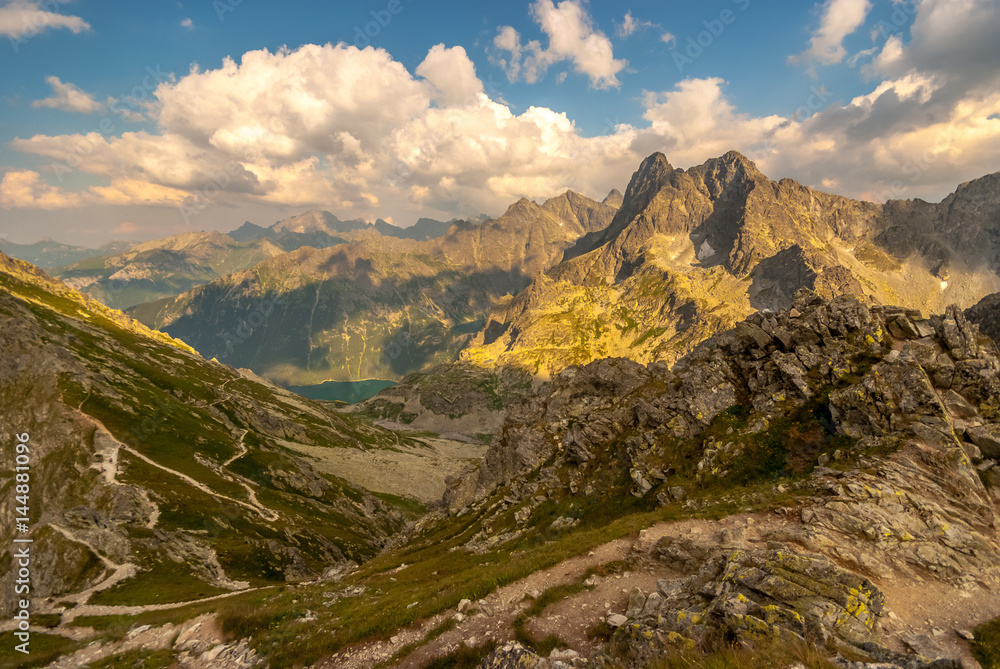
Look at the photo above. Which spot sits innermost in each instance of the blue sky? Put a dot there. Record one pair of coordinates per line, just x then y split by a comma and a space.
261, 110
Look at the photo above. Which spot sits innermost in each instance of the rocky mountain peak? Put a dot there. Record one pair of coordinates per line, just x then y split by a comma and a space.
522, 207
614, 198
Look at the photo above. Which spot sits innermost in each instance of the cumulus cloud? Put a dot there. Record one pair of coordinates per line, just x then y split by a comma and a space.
451, 74
840, 19
573, 38
334, 126
25, 188
24, 18
187, 23
67, 97
696, 121
355, 132
953, 40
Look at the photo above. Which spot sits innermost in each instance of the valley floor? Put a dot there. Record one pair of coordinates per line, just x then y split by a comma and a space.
417, 472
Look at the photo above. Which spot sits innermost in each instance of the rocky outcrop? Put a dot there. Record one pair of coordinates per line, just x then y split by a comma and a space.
754, 597
454, 398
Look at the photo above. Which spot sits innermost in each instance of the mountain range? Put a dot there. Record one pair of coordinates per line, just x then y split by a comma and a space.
125, 274
817, 482
646, 275
694, 251
377, 307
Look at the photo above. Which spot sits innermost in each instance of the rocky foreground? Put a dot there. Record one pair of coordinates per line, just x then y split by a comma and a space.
876, 430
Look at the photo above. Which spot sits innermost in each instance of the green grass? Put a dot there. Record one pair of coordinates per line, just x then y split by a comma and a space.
46, 619
550, 596
986, 647
464, 657
166, 582
651, 333
116, 627
435, 578
408, 649
44, 648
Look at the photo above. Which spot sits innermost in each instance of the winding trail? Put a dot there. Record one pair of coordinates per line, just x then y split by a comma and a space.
241, 452
262, 511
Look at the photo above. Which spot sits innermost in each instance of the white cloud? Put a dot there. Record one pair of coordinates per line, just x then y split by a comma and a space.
669, 38
353, 131
24, 18
451, 74
631, 25
840, 19
573, 38
334, 126
695, 121
67, 97
26, 189
187, 23
956, 39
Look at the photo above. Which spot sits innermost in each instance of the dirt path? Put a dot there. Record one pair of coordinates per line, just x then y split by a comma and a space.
494, 615
260, 510
937, 610
242, 450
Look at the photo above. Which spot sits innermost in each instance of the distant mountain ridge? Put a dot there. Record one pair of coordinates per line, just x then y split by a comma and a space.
159, 268
48, 253
380, 306
316, 221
